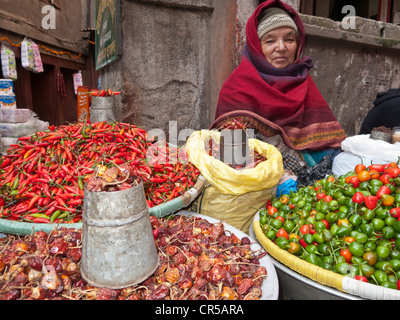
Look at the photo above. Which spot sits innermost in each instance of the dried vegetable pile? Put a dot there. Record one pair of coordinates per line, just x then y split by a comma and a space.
109, 179
42, 177
198, 261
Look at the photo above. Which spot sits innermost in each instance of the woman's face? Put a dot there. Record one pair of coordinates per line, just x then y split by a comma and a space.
280, 47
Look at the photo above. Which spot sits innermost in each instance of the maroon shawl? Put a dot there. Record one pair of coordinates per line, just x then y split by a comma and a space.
284, 101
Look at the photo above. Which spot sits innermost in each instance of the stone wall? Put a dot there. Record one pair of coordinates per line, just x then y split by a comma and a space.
164, 71
178, 53
352, 66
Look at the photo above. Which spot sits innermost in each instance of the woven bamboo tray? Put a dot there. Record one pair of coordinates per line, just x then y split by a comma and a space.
27, 228
321, 275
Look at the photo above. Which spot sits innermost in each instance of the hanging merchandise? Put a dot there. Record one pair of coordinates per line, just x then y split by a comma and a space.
27, 57
83, 104
9, 67
37, 59
61, 84
78, 82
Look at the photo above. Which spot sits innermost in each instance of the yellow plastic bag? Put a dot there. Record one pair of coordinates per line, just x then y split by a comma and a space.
228, 180
238, 211
233, 196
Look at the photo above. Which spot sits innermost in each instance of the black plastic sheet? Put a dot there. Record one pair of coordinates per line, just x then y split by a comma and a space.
308, 175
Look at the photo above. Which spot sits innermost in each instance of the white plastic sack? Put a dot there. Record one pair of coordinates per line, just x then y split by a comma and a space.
345, 162
364, 147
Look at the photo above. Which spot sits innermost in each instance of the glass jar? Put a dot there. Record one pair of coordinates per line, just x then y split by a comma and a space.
396, 134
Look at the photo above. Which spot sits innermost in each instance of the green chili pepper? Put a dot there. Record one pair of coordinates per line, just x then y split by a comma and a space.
355, 220
81, 183
383, 252
380, 276
367, 270
356, 249
39, 215
313, 258
346, 269
55, 215
83, 132
361, 237
342, 231
324, 249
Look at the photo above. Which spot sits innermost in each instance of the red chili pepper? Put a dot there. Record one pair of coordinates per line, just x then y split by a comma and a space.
376, 167
385, 178
345, 252
75, 202
361, 278
155, 233
60, 201
65, 208
371, 202
354, 181
383, 190
303, 243
358, 197
158, 180
40, 220
393, 172
282, 233
5, 163
395, 212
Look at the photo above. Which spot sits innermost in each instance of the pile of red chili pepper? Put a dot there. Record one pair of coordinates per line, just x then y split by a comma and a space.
199, 260
42, 176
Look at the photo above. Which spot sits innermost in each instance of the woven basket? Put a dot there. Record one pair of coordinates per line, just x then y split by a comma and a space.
321, 275
27, 228
178, 203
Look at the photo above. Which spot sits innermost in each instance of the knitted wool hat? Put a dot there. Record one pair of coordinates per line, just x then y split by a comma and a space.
274, 18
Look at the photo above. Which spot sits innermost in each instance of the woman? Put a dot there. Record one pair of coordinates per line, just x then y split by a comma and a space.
272, 92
